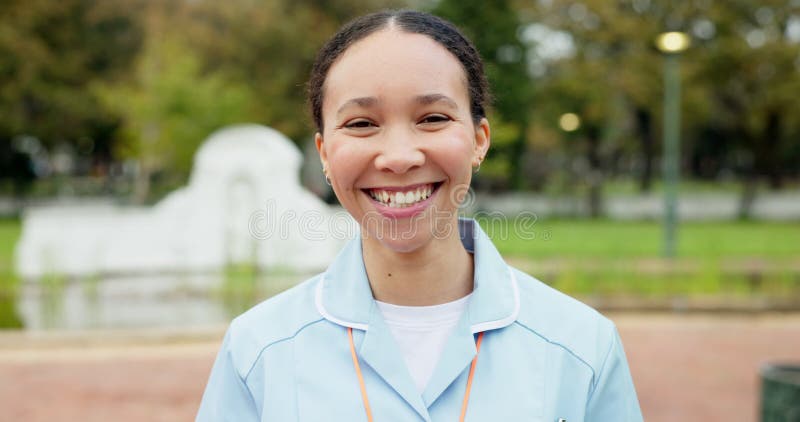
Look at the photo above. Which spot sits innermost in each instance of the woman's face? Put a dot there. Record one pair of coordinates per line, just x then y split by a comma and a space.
399, 142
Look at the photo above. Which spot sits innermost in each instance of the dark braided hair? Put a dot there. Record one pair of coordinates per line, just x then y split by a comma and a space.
438, 29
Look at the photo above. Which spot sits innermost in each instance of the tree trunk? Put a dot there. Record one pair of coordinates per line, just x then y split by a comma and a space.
141, 184
771, 155
750, 180
645, 128
148, 156
515, 159
748, 198
595, 173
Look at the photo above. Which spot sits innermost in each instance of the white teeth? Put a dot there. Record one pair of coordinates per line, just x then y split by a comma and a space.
401, 199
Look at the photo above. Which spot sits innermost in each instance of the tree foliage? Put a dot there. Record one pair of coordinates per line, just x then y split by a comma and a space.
740, 82
170, 105
49, 53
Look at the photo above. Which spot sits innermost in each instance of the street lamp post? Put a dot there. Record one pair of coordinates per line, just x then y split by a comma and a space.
671, 44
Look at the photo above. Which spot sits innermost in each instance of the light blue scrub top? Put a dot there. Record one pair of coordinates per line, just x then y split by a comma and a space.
544, 355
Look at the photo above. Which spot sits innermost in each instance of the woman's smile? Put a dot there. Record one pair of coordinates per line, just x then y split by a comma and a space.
403, 202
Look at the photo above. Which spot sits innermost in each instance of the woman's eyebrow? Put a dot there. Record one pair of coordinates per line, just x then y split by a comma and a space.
426, 99
363, 102
435, 98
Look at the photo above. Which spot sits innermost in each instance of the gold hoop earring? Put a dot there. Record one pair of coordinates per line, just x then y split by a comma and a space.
327, 179
478, 167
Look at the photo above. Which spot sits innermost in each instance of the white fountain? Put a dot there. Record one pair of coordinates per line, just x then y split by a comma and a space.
244, 203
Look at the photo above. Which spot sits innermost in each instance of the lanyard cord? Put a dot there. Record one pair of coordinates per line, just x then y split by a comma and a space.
365, 399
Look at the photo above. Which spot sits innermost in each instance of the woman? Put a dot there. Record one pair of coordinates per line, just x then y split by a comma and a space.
419, 318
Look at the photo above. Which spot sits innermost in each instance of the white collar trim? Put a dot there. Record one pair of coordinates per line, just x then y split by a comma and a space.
477, 328
502, 322
324, 312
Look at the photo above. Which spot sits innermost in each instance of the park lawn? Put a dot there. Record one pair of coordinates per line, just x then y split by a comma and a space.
9, 233
601, 257
580, 239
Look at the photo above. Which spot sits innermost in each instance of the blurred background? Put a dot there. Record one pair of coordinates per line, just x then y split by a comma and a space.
659, 178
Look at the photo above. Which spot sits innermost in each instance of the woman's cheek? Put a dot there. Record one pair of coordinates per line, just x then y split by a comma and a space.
346, 162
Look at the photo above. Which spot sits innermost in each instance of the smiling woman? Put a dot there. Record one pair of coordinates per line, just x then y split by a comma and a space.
394, 125
397, 323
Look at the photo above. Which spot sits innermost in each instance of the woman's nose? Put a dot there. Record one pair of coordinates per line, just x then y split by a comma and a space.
399, 155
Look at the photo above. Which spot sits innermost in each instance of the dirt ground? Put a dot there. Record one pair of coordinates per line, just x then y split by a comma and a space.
686, 367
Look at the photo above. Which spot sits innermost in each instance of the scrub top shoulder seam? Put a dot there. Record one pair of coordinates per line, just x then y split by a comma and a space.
567, 349
263, 349
596, 379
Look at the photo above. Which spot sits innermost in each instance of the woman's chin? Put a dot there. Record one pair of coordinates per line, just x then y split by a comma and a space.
406, 241
404, 246
410, 234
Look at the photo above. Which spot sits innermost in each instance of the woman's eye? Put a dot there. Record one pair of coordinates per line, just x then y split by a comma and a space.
359, 124
434, 118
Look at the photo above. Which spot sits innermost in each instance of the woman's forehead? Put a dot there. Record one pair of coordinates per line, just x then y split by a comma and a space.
391, 62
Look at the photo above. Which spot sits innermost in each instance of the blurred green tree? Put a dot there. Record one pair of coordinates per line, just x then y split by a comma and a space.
740, 79
749, 74
49, 53
170, 104
608, 74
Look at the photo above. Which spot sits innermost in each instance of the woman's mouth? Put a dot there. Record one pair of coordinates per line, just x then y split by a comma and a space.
403, 197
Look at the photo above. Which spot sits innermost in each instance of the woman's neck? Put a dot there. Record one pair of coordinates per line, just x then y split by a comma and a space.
439, 272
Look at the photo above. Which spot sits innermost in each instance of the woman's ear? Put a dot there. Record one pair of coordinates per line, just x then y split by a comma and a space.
483, 138
323, 156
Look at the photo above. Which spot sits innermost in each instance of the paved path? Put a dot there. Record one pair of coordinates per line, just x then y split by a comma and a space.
705, 368
686, 368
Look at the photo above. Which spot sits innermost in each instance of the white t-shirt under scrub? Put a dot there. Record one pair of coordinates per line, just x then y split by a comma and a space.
421, 332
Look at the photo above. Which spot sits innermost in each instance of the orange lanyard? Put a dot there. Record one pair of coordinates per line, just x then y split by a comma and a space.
365, 399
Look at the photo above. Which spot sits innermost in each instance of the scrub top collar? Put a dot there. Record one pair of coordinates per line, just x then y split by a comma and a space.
344, 296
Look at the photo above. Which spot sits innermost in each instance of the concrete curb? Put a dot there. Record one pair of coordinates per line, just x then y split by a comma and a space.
56, 346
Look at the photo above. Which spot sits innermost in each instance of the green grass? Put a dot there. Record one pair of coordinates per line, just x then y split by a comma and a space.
642, 239
615, 281
628, 186
600, 257
9, 234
